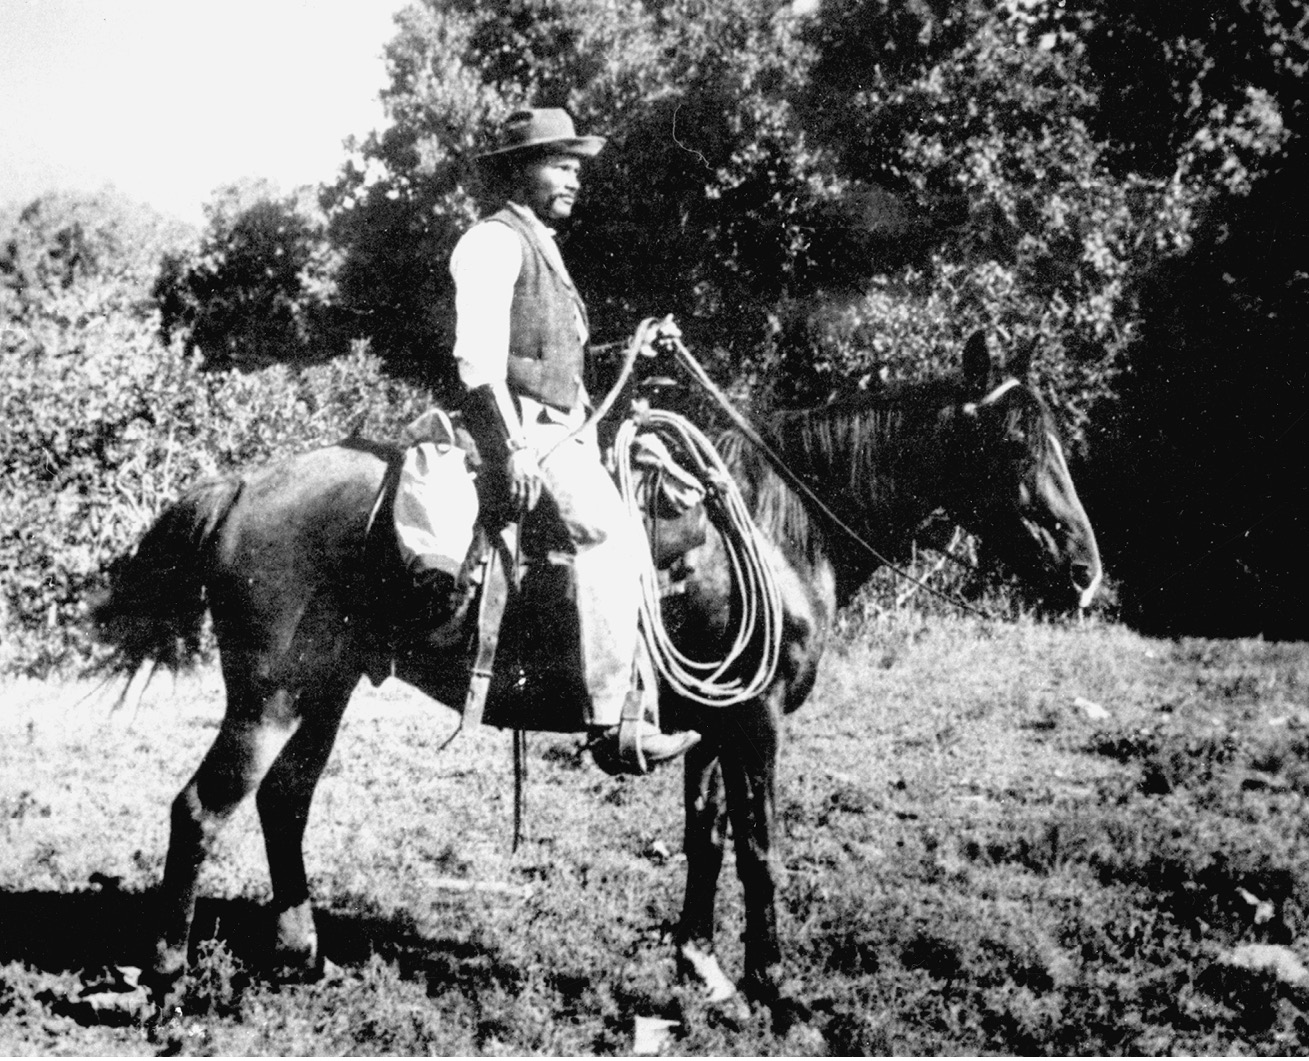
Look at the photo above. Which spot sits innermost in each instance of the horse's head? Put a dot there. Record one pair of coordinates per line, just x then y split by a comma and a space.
1014, 488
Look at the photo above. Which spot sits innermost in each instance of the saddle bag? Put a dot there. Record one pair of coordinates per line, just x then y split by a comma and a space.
436, 504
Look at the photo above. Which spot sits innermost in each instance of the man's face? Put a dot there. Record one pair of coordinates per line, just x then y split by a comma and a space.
549, 186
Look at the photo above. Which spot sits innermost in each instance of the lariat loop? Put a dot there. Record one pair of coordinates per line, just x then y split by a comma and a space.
757, 641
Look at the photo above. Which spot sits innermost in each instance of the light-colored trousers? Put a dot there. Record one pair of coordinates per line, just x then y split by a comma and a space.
610, 550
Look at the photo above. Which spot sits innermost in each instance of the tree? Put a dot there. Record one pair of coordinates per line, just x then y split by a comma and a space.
850, 193
259, 288
77, 253
977, 119
1172, 75
707, 201
403, 197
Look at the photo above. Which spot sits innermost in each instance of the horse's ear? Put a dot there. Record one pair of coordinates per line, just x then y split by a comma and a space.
978, 363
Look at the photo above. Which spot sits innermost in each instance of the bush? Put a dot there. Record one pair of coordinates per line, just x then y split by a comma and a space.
101, 425
99, 440
143, 423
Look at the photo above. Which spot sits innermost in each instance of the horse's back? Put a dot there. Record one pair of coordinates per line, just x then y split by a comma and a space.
316, 502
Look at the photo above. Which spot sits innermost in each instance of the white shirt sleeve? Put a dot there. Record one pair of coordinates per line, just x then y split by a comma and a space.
485, 266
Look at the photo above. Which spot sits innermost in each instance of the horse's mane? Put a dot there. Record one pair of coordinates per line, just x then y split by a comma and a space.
848, 452
864, 455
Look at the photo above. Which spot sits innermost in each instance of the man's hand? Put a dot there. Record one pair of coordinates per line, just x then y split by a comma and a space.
524, 478
662, 337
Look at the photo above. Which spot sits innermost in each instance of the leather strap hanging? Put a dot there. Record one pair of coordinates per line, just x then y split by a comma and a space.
490, 612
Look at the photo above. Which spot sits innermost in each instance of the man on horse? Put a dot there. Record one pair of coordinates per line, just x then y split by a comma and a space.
520, 339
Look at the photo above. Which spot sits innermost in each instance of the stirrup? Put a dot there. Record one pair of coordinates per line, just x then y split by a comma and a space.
630, 756
634, 759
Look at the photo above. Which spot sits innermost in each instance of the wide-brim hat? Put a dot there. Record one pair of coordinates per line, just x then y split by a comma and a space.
540, 130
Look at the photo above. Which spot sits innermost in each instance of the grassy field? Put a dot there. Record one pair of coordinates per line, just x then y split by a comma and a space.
999, 838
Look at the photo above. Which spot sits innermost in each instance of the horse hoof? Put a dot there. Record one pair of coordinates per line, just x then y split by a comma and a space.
791, 1019
787, 1012
733, 1013
700, 964
330, 973
295, 946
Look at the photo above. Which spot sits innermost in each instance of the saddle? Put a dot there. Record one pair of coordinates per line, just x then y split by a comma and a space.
487, 654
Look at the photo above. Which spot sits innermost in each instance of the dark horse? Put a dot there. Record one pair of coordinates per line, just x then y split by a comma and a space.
278, 556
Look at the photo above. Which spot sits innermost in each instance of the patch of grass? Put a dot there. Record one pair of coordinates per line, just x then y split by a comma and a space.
216, 982
972, 863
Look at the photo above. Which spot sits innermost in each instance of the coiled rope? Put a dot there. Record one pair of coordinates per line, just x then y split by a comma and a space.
758, 637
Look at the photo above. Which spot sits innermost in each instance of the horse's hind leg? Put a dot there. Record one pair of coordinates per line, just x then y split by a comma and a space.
250, 738
283, 803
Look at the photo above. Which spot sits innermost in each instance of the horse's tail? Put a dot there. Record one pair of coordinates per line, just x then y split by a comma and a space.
155, 604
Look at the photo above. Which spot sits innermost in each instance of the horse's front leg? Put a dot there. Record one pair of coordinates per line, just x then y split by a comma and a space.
749, 764
283, 802
706, 832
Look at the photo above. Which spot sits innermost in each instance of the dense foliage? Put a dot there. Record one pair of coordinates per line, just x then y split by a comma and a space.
828, 198
101, 425
830, 194
258, 289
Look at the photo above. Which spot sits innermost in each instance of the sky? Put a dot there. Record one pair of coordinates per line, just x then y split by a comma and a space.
167, 100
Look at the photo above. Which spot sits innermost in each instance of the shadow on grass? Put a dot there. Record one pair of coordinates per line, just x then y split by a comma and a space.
67, 931
92, 928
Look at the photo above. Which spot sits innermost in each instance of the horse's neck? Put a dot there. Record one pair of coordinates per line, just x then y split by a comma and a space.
880, 471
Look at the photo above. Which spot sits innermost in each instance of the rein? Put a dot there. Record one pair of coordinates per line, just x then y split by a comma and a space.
672, 337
